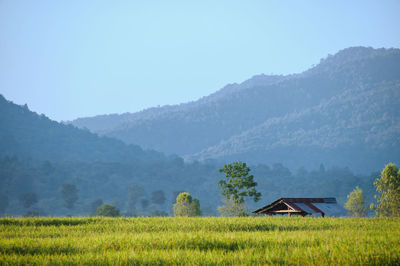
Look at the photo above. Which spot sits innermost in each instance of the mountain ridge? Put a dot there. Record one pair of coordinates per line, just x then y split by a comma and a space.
192, 128
27, 134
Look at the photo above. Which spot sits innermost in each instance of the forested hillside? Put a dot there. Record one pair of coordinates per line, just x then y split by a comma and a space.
357, 126
28, 135
346, 107
38, 157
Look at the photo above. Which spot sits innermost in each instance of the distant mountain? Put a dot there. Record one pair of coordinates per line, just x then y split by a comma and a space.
357, 126
343, 111
26, 134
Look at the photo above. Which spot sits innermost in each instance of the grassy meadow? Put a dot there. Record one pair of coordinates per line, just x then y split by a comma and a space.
171, 240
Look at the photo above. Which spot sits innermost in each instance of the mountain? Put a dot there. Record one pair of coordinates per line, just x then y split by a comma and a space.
26, 134
343, 112
357, 124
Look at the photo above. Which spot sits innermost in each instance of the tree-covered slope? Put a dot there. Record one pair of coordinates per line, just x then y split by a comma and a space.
28, 135
39, 156
359, 128
206, 127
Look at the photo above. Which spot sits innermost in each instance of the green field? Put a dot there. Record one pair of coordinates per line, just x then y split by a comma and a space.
261, 240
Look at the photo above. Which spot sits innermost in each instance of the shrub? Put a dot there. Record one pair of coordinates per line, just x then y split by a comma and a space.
108, 210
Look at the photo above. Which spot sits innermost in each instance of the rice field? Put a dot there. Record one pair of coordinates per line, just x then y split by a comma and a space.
200, 241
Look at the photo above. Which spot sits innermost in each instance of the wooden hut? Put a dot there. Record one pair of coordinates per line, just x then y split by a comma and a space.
303, 206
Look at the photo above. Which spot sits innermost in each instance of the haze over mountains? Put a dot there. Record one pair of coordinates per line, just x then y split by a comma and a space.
344, 111
38, 156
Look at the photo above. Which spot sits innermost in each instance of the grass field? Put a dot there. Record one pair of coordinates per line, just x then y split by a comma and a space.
261, 240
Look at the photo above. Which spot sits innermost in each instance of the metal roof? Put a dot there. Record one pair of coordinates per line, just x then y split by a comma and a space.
304, 206
331, 209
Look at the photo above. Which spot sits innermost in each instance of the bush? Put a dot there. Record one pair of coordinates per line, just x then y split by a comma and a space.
186, 206
108, 210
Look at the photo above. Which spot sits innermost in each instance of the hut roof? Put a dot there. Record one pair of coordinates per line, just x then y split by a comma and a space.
303, 206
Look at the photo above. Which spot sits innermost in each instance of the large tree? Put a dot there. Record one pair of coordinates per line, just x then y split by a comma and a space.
388, 187
355, 203
238, 184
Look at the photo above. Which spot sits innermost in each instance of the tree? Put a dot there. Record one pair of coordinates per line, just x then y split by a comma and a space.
238, 184
186, 206
27, 199
69, 193
158, 197
388, 187
196, 207
175, 195
108, 210
355, 203
135, 193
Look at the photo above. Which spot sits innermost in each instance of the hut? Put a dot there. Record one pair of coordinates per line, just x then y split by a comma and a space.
303, 206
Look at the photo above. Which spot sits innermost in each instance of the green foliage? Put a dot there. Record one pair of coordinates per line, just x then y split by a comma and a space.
232, 209
27, 199
186, 206
69, 193
108, 210
238, 184
388, 187
199, 241
109, 181
196, 207
355, 203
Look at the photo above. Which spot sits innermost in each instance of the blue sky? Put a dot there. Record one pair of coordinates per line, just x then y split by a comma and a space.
70, 59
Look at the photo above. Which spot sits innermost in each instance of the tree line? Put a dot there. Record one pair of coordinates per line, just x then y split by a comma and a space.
58, 189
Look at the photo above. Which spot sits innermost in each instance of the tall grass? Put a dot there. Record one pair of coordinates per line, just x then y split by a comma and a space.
261, 240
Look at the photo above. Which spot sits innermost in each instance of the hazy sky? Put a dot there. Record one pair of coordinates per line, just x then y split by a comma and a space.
70, 59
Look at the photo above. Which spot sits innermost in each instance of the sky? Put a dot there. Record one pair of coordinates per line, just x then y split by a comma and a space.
70, 59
